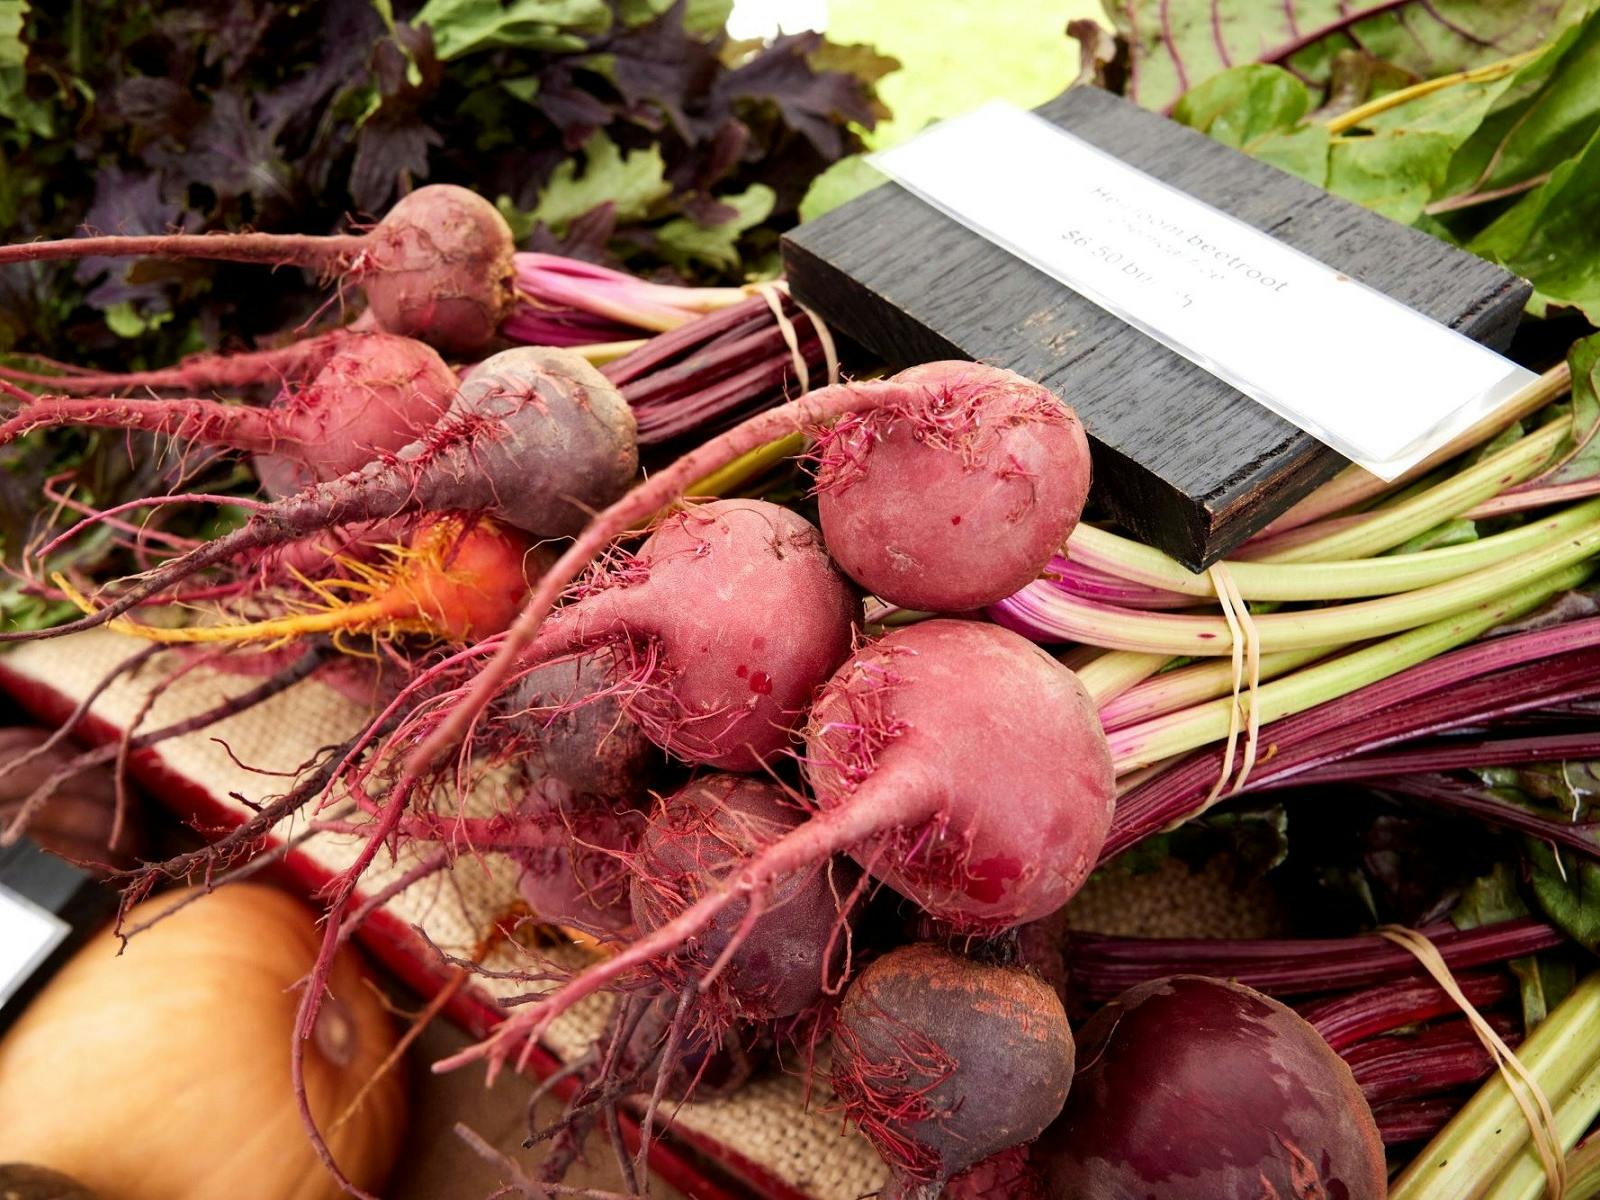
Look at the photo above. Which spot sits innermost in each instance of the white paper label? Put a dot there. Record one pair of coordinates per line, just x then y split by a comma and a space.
1377, 381
28, 934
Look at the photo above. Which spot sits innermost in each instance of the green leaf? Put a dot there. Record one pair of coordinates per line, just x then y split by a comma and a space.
1400, 160
1489, 899
128, 322
1581, 450
468, 26
683, 243
1259, 110
1180, 44
1544, 982
839, 184
631, 181
1567, 888
1552, 237
703, 18
1542, 116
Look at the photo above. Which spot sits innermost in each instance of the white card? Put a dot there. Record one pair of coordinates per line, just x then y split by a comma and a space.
28, 934
1374, 379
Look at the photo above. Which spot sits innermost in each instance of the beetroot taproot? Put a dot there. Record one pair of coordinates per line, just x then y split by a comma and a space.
781, 959
943, 1062
1201, 1089
438, 267
957, 501
709, 675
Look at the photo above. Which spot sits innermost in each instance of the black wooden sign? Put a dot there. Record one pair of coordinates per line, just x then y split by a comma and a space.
1181, 458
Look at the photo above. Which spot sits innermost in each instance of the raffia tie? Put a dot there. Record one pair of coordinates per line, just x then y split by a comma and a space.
1244, 711
1525, 1089
774, 294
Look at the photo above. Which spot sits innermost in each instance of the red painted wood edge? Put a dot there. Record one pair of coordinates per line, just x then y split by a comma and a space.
703, 1168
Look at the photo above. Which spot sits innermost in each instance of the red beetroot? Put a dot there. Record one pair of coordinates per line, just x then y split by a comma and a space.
373, 395
701, 665
943, 1062
438, 267
954, 759
570, 720
990, 755
575, 869
956, 501
793, 949
537, 439
1200, 1089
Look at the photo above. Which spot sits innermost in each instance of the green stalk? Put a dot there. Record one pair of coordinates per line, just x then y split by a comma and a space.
1335, 625
1575, 1111
1112, 674
1465, 1156
1192, 684
1138, 563
1139, 745
1388, 527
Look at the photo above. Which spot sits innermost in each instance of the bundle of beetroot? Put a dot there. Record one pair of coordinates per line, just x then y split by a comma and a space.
720, 769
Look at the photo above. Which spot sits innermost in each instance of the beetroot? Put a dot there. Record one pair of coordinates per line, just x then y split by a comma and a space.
1201, 1089
373, 395
579, 876
955, 760
991, 755
455, 581
957, 501
438, 267
793, 949
573, 725
700, 664
943, 1062
538, 439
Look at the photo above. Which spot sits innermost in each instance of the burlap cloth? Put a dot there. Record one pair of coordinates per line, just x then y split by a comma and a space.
768, 1122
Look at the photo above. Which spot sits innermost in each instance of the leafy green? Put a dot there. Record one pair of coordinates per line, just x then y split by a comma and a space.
685, 243
468, 26
306, 117
632, 182
1552, 237
1505, 162
839, 184
1172, 47
1581, 454
1260, 110
1568, 890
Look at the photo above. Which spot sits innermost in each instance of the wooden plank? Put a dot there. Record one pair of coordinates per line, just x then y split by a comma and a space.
1181, 459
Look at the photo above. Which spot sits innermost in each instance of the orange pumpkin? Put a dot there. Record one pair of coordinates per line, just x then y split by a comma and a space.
163, 1073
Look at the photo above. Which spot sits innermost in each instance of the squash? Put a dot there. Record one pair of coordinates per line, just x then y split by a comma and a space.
163, 1073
